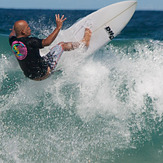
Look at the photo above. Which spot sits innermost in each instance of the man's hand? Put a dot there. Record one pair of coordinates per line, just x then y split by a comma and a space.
54, 34
12, 32
59, 21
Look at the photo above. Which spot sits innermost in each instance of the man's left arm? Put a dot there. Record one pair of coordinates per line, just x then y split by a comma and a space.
54, 34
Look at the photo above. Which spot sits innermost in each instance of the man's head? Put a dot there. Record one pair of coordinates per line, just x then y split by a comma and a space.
22, 28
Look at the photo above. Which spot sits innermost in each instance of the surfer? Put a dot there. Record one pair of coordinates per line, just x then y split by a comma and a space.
26, 49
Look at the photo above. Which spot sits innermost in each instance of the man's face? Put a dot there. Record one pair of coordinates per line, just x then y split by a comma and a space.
27, 30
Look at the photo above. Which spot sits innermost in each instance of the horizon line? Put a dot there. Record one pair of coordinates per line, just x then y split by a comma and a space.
68, 9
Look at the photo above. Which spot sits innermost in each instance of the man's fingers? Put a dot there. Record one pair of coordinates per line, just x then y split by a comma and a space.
57, 16
62, 17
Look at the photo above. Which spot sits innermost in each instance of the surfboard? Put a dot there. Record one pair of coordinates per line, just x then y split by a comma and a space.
105, 24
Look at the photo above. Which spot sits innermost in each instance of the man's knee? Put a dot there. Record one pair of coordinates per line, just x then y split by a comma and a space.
67, 46
63, 45
60, 43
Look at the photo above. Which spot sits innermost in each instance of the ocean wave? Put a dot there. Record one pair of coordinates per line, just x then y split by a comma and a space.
92, 110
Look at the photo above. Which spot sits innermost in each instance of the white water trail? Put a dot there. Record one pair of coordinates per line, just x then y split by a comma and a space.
109, 91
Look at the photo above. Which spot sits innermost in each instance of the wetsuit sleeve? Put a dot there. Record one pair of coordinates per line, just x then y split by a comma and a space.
35, 42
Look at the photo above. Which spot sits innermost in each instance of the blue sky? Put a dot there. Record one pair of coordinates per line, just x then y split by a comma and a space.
76, 4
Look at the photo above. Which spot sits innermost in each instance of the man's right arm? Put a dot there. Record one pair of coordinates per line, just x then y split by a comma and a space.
12, 33
53, 35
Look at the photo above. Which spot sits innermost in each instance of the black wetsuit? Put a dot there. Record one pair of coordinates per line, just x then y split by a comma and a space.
33, 65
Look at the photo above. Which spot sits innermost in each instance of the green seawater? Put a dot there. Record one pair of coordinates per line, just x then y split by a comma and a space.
108, 109
103, 108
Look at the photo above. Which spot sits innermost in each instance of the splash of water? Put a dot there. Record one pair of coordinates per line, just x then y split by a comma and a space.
109, 101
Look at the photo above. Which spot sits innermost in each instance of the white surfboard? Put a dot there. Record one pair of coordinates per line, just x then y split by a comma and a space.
105, 24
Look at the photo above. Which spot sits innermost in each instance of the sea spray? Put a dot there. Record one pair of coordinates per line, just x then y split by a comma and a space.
106, 107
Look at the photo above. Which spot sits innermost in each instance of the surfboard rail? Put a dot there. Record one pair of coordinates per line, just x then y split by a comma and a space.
105, 24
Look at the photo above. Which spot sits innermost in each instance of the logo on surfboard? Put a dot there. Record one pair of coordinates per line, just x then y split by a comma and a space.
110, 32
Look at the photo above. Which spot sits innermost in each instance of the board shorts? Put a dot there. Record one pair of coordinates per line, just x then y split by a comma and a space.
53, 56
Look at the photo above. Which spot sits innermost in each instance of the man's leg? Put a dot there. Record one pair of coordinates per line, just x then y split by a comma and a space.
67, 46
55, 53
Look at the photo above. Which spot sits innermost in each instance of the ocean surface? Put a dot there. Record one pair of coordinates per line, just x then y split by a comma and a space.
107, 108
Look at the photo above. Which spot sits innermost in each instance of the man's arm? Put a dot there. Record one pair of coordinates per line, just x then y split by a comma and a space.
53, 35
12, 33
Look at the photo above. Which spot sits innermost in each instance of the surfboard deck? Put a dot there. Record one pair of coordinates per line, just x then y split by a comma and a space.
105, 24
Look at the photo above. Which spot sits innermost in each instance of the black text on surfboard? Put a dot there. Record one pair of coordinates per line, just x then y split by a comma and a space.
110, 32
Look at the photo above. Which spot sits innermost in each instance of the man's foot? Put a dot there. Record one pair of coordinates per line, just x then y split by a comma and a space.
87, 37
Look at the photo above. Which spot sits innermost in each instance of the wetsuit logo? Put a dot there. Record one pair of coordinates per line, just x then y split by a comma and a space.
110, 32
19, 49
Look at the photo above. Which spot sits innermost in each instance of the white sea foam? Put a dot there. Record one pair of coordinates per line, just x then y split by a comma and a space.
113, 92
